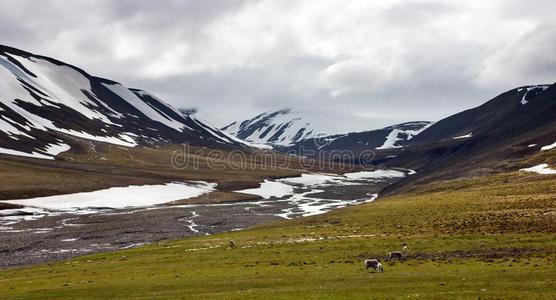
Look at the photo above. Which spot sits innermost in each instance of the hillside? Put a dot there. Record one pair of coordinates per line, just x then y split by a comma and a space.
510, 114
492, 138
47, 106
391, 137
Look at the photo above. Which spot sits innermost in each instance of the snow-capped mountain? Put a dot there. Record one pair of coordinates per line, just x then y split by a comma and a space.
45, 104
286, 127
391, 137
290, 129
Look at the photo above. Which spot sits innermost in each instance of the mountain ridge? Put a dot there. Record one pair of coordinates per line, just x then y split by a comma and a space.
283, 127
45, 103
387, 138
506, 108
288, 128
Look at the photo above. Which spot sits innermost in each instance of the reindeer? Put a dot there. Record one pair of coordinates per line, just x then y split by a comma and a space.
373, 264
398, 255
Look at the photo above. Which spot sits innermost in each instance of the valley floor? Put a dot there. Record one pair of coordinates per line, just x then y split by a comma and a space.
52, 235
486, 237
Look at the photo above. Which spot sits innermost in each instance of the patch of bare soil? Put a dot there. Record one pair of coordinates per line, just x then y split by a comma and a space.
218, 197
490, 253
9, 206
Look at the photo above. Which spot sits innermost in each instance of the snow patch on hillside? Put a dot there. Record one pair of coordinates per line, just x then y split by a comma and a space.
220, 134
531, 88
543, 169
11, 130
55, 149
61, 84
24, 154
391, 140
548, 147
120, 140
143, 107
50, 151
466, 136
397, 135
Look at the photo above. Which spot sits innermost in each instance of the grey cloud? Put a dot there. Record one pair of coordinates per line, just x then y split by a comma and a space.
528, 60
391, 61
416, 13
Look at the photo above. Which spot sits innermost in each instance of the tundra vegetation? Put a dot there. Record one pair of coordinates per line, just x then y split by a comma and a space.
490, 236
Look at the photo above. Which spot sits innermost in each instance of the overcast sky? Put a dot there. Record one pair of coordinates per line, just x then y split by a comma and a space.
385, 61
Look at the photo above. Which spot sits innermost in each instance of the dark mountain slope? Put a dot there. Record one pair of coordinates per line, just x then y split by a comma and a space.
513, 112
386, 138
45, 105
506, 136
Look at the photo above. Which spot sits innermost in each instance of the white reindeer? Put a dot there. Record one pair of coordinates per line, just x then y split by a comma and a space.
373, 264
